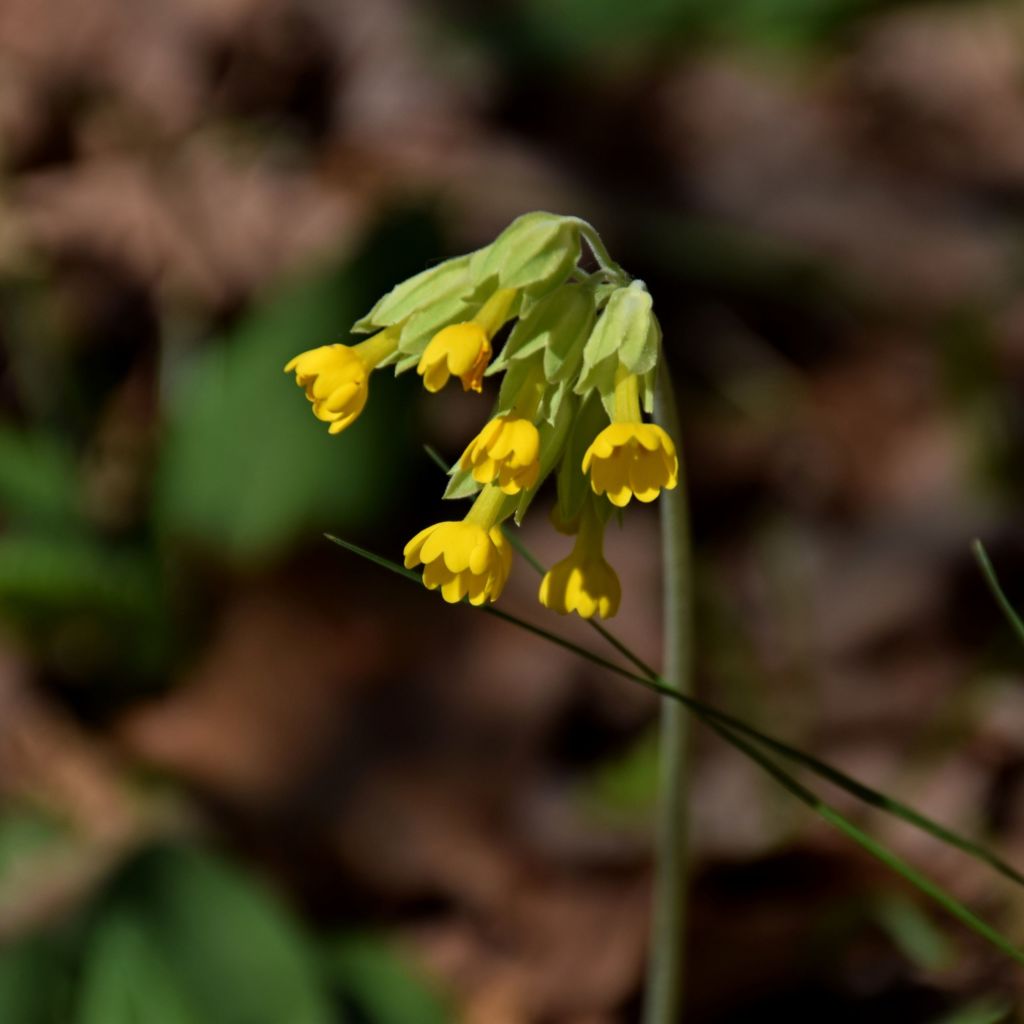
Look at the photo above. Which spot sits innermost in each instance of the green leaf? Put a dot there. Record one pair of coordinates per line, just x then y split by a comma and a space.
423, 325
648, 383
24, 834
436, 284
552, 442
38, 481
627, 784
627, 333
231, 951
246, 468
573, 485
536, 253
382, 986
126, 981
68, 573
557, 325
517, 376
982, 1011
461, 483
913, 932
33, 982
112, 599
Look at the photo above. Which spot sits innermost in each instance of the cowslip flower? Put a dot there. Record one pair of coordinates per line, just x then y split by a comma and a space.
336, 378
630, 458
506, 452
463, 350
584, 350
466, 558
584, 582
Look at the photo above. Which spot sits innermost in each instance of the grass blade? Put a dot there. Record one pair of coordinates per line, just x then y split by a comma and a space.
891, 860
862, 792
989, 572
730, 729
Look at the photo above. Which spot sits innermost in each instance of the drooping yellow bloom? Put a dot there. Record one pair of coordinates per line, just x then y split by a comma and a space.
464, 349
629, 458
336, 378
468, 558
584, 582
506, 452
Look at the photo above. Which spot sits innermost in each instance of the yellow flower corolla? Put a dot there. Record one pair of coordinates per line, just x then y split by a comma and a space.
463, 350
584, 582
506, 452
629, 458
468, 558
336, 378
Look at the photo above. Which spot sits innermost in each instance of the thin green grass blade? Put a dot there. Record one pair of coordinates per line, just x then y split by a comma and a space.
722, 724
652, 681
891, 860
384, 563
862, 792
989, 572
824, 770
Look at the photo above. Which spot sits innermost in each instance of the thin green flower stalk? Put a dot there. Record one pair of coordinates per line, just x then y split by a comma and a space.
578, 372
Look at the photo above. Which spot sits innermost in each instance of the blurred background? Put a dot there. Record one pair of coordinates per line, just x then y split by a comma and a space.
246, 778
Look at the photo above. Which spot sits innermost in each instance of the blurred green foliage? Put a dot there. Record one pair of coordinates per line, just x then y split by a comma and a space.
913, 932
246, 469
625, 787
24, 832
379, 986
571, 30
982, 1011
242, 473
181, 937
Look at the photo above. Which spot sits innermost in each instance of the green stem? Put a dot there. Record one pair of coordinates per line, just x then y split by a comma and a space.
600, 251
663, 1004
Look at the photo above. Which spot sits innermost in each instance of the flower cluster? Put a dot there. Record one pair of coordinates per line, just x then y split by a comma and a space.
578, 366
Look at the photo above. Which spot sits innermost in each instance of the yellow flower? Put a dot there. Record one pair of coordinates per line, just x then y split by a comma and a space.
461, 349
631, 460
470, 557
337, 383
464, 349
505, 452
584, 582
336, 378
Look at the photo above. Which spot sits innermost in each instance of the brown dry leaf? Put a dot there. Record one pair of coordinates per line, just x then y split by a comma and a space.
204, 226
549, 928
48, 762
266, 701
781, 156
944, 87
